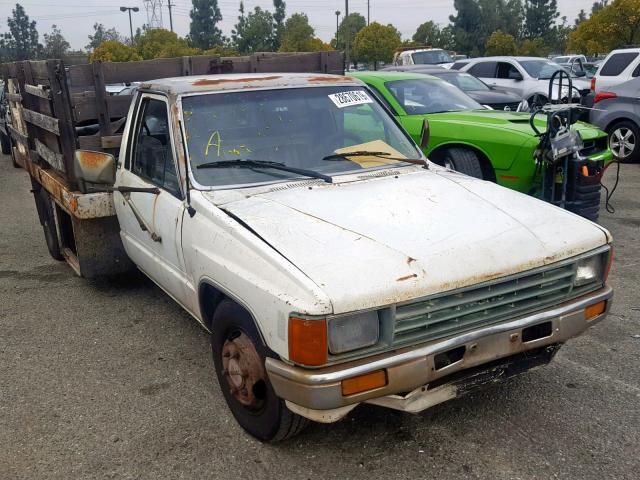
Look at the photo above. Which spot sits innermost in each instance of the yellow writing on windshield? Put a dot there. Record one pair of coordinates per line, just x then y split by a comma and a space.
218, 143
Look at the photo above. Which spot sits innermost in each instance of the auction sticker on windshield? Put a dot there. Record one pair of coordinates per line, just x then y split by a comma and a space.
347, 99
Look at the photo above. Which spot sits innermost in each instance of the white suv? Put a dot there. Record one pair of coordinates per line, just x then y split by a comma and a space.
527, 77
618, 67
422, 56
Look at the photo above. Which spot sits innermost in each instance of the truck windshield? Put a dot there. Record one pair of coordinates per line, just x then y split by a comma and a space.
295, 127
431, 57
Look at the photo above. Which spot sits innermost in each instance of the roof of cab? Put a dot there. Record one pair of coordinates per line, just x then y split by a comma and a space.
235, 81
389, 76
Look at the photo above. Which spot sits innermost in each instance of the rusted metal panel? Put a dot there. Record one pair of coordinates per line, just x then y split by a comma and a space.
43, 121
82, 206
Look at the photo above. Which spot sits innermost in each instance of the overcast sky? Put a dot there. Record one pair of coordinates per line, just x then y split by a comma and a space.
76, 17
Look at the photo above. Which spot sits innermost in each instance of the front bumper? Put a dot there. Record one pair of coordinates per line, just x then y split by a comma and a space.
310, 392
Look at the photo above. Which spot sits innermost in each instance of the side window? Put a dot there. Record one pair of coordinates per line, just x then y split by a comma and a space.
617, 63
458, 65
152, 153
507, 71
484, 70
636, 71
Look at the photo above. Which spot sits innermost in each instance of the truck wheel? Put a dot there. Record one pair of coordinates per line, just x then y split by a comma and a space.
6, 145
464, 161
623, 141
537, 101
238, 356
44, 205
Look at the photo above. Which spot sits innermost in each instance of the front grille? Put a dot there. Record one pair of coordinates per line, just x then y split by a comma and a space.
475, 307
501, 106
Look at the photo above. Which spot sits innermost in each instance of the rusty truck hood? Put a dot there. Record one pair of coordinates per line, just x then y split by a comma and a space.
381, 241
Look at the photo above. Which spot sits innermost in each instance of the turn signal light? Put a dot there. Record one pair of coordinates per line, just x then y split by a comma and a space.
594, 310
363, 383
308, 341
593, 84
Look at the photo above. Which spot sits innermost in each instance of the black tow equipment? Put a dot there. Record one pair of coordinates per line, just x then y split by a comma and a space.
564, 177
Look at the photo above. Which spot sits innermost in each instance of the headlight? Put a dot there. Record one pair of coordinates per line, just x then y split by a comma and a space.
591, 269
354, 331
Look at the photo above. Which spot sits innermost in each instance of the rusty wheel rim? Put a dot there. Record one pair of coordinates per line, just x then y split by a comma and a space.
244, 372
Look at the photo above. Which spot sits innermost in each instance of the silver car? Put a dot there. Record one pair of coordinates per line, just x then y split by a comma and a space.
527, 77
617, 112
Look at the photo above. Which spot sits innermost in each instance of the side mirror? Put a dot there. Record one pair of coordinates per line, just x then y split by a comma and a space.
94, 167
515, 76
581, 73
425, 134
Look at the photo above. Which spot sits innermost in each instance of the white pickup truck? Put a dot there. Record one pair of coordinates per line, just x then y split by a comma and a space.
334, 265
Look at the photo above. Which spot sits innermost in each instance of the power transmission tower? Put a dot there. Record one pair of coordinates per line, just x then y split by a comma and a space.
154, 13
169, 4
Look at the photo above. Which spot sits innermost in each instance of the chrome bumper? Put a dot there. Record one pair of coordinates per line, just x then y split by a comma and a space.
312, 391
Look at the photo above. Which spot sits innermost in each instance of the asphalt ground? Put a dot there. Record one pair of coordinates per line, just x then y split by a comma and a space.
111, 379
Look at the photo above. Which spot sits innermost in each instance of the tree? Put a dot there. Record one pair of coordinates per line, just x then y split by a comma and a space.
279, 15
376, 43
203, 30
533, 47
55, 45
161, 43
296, 34
466, 26
349, 27
427, 33
254, 33
101, 34
612, 26
500, 43
21, 43
114, 51
223, 51
582, 16
539, 17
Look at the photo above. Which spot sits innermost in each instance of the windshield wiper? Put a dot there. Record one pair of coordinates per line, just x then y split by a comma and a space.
249, 163
385, 155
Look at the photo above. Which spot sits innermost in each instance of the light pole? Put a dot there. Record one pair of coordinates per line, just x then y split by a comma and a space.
337, 26
135, 9
347, 33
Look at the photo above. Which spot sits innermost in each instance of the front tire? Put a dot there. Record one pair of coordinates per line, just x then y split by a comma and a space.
464, 161
623, 141
238, 357
6, 145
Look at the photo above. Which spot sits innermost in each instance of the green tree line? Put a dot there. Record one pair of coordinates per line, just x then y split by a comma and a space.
478, 27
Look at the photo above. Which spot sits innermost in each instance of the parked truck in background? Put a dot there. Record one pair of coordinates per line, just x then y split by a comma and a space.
292, 217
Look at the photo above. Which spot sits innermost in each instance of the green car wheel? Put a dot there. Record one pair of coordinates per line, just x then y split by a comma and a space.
464, 161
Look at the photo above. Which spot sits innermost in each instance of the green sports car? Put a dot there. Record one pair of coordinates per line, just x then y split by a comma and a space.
489, 144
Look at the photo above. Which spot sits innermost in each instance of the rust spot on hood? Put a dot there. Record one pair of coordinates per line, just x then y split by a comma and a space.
203, 82
406, 277
331, 79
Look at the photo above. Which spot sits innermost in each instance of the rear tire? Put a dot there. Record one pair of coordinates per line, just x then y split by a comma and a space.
624, 138
5, 144
238, 357
46, 213
464, 161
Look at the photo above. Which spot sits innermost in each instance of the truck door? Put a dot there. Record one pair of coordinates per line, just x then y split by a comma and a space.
151, 224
